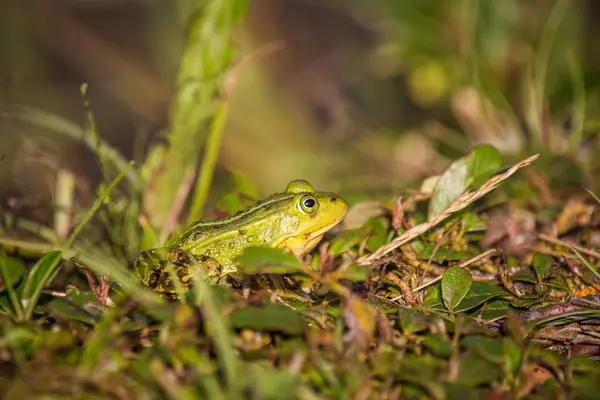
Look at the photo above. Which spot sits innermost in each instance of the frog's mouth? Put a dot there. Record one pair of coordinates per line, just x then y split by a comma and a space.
320, 232
302, 243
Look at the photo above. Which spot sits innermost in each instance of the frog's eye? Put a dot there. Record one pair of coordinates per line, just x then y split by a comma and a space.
308, 204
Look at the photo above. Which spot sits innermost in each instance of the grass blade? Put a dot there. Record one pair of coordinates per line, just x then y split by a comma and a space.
220, 332
209, 161
586, 263
42, 273
90, 213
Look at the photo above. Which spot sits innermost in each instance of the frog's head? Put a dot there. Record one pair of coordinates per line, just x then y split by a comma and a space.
308, 215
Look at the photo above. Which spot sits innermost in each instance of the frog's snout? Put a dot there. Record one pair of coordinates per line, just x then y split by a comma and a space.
338, 206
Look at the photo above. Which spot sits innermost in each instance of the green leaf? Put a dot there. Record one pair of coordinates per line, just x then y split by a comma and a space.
12, 270
21, 338
149, 238
261, 260
479, 293
584, 364
512, 354
489, 348
412, 321
433, 297
231, 203
42, 273
442, 254
495, 309
456, 282
345, 241
69, 312
272, 384
439, 346
467, 172
378, 236
463, 392
472, 222
525, 276
484, 161
354, 272
541, 265
450, 186
269, 318
245, 186
476, 370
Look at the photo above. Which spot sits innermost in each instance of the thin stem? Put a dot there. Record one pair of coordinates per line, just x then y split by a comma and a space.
213, 144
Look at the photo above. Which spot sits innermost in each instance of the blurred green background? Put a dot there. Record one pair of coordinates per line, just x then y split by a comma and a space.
358, 95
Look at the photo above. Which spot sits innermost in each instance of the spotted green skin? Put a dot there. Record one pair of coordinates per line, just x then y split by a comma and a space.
283, 220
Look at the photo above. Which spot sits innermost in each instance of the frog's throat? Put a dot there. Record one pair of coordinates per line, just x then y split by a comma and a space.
301, 244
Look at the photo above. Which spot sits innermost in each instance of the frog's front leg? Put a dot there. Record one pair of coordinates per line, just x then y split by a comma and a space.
274, 282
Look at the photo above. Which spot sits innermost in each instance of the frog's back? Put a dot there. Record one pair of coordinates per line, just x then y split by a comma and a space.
226, 238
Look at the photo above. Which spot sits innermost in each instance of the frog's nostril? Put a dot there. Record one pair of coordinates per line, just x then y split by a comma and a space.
333, 199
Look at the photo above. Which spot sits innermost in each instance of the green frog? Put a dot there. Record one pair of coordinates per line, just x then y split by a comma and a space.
295, 220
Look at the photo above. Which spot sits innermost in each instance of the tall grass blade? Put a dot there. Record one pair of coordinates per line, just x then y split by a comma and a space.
42, 273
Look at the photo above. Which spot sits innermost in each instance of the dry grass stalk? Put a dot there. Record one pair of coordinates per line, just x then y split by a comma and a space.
459, 204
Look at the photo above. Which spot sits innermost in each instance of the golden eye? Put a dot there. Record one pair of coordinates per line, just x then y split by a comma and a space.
308, 204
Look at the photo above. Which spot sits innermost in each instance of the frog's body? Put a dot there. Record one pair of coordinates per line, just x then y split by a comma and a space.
295, 220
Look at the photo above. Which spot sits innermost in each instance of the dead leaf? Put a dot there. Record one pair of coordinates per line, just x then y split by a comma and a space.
515, 233
575, 214
360, 213
361, 320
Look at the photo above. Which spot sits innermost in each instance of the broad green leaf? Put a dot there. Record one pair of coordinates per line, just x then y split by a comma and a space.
512, 354
585, 387
467, 172
442, 254
484, 161
345, 241
39, 277
354, 272
268, 318
149, 238
455, 285
479, 293
472, 222
475, 370
11, 272
274, 384
541, 264
260, 260
450, 186
242, 195
462, 392
487, 347
584, 364
21, 338
433, 297
494, 309
525, 276
412, 321
68, 311
379, 234
244, 186
438, 345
